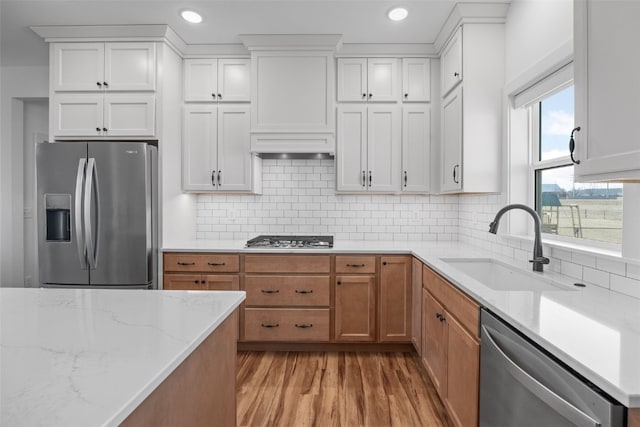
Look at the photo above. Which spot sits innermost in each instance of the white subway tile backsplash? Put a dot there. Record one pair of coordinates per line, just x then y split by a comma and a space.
597, 277
611, 266
625, 285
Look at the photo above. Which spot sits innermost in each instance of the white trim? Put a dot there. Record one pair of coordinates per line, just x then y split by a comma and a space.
544, 88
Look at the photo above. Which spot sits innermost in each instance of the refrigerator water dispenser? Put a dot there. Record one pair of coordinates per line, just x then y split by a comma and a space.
58, 217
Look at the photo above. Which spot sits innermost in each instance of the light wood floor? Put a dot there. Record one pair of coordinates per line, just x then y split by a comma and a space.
335, 389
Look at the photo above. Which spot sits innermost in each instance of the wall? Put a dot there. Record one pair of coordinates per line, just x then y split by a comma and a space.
17, 85
299, 197
534, 31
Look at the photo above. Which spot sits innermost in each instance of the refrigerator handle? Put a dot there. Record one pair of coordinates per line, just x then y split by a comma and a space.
91, 185
80, 238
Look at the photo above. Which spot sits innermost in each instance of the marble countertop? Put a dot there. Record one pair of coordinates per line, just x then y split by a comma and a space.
90, 357
593, 330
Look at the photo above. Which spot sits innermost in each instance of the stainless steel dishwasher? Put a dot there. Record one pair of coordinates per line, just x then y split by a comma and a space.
521, 385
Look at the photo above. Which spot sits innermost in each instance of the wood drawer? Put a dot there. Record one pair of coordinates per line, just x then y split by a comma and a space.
272, 324
201, 262
465, 309
356, 264
201, 282
287, 263
287, 290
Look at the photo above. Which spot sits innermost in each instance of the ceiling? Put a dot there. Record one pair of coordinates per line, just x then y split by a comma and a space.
359, 21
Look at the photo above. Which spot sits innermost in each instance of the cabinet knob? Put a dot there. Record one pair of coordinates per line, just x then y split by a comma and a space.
105, 84
572, 145
384, 262
105, 129
364, 95
213, 95
219, 96
456, 74
99, 84
196, 281
339, 283
406, 95
98, 129
370, 95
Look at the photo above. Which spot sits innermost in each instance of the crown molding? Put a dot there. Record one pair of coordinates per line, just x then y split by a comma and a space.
371, 50
262, 42
470, 13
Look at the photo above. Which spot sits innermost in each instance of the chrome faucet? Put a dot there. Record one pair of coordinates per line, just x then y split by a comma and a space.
538, 259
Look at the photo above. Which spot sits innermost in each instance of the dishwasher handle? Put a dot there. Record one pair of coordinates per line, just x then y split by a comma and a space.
560, 405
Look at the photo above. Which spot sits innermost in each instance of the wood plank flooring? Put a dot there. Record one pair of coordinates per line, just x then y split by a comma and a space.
335, 389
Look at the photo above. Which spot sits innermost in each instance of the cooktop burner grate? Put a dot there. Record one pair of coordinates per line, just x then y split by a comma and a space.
286, 242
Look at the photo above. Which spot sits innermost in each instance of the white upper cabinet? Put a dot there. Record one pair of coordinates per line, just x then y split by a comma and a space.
371, 80
416, 80
451, 155
217, 80
369, 149
116, 115
471, 110
216, 149
416, 148
103, 67
451, 62
607, 97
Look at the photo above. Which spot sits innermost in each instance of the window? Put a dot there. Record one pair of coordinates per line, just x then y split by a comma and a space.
567, 208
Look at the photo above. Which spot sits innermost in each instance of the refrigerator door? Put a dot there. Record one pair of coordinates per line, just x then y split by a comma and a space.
118, 213
61, 244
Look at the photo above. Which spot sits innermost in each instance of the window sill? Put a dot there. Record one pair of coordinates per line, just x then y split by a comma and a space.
601, 252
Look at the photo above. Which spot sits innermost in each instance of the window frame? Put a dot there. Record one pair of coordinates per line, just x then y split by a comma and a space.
536, 165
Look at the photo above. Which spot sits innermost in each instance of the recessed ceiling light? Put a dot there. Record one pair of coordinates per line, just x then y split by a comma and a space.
191, 16
398, 13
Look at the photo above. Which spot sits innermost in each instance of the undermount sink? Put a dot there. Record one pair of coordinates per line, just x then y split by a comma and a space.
499, 276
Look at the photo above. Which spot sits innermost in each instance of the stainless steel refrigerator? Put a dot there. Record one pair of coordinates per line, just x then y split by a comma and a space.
97, 214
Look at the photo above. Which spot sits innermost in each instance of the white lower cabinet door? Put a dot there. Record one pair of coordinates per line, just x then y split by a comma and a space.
451, 150
416, 148
77, 115
234, 145
129, 115
199, 148
383, 148
351, 158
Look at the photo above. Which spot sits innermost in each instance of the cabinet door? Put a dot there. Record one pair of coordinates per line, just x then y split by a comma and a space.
607, 97
463, 373
382, 79
434, 342
451, 150
352, 79
355, 308
222, 282
416, 305
416, 79
451, 63
77, 115
129, 115
184, 282
234, 80
395, 299
351, 157
199, 148
130, 66
416, 148
234, 145
383, 148
200, 80
77, 66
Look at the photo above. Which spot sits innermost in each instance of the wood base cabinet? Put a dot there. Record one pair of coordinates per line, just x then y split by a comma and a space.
355, 309
451, 347
200, 272
395, 299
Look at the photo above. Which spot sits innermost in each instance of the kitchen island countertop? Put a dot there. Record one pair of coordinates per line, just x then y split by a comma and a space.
593, 330
90, 357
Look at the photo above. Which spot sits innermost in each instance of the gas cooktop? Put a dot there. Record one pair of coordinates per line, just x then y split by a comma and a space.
288, 242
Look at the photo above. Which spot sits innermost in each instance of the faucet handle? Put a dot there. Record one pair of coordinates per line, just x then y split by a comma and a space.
540, 259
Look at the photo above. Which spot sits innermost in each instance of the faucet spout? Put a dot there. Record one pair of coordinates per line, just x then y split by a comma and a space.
538, 258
